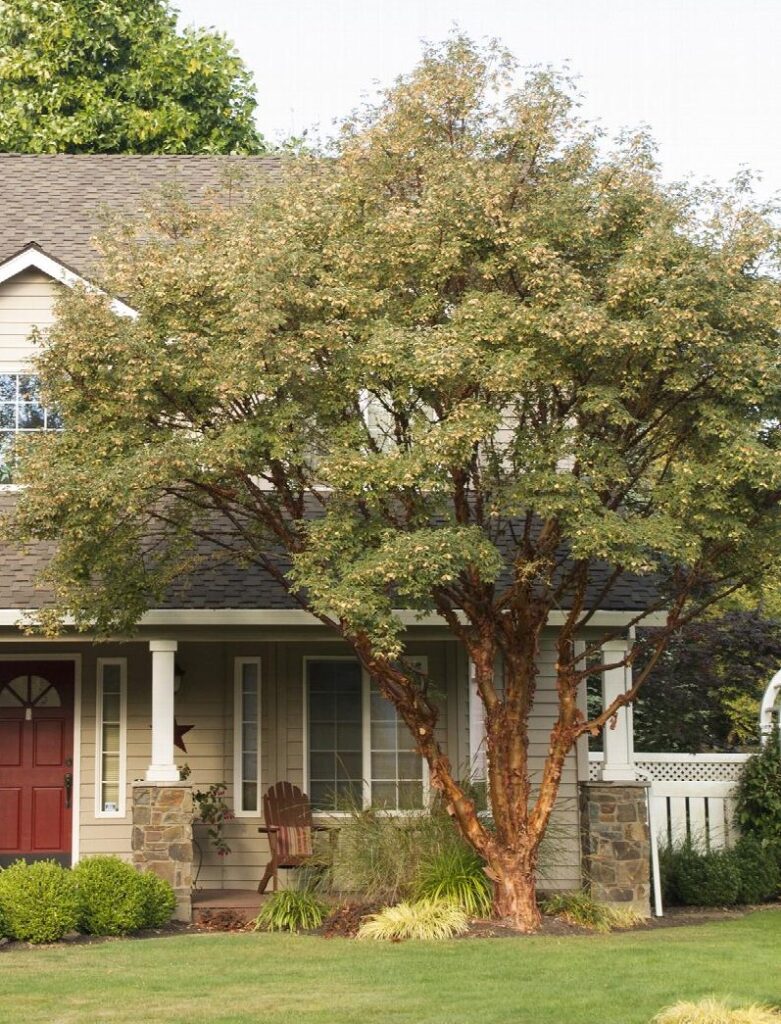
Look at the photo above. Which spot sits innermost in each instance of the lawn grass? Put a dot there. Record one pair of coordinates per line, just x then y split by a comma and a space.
271, 979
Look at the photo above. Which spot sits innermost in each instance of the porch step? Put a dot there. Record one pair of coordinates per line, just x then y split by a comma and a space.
213, 905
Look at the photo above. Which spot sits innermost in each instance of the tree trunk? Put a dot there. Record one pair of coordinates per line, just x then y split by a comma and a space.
515, 891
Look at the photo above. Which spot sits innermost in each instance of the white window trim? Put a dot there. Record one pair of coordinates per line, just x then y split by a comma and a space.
122, 808
420, 662
33, 257
238, 718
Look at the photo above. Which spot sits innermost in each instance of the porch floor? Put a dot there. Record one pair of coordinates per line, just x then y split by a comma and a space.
239, 903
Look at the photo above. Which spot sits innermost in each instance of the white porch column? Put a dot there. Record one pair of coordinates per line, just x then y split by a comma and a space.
618, 740
162, 767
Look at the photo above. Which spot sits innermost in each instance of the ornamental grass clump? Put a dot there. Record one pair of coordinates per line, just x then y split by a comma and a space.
714, 1011
38, 901
291, 910
379, 855
456, 875
583, 911
426, 919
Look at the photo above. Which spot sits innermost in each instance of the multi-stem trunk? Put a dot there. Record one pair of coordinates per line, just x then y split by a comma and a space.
511, 848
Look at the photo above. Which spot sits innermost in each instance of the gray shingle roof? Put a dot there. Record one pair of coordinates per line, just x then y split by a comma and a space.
56, 201
220, 583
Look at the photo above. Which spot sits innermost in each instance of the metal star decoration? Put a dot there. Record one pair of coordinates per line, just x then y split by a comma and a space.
179, 731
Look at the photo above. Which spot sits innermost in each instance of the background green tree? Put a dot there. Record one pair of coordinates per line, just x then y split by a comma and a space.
466, 364
115, 76
705, 691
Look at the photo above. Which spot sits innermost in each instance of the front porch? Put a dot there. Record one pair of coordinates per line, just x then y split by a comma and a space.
250, 706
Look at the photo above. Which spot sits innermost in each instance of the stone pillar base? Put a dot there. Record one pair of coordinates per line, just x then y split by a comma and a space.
163, 837
616, 843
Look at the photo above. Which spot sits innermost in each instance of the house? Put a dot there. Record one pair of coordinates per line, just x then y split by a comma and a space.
227, 676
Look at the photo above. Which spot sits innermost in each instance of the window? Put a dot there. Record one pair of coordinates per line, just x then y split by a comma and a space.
110, 726
246, 739
21, 412
359, 752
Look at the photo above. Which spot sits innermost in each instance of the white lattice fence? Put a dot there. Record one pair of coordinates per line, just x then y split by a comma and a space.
692, 795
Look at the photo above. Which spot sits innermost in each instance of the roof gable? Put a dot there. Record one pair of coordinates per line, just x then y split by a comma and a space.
35, 257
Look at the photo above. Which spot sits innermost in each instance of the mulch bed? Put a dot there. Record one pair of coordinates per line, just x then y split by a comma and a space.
345, 920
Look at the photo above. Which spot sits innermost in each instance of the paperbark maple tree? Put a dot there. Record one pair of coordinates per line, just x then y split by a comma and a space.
460, 364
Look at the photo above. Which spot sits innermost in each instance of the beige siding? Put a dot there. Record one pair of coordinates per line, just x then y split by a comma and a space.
26, 302
561, 854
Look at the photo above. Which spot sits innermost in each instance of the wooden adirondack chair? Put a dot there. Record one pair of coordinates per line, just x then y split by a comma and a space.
288, 825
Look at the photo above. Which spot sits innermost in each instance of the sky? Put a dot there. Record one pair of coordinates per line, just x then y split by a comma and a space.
703, 75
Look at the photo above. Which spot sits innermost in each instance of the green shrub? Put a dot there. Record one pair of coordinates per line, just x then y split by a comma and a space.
158, 899
38, 901
760, 876
457, 875
712, 1011
700, 879
426, 919
111, 896
758, 808
291, 910
581, 909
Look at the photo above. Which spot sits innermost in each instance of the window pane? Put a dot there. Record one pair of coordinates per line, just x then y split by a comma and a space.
249, 796
322, 707
8, 387
30, 416
410, 796
348, 707
7, 416
384, 794
322, 795
111, 738
384, 735
110, 768
322, 737
110, 707
383, 766
381, 709
29, 388
321, 766
53, 420
249, 736
410, 766
250, 701
348, 736
349, 766
249, 675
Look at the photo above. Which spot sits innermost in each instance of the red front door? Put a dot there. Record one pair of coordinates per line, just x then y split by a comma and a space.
36, 760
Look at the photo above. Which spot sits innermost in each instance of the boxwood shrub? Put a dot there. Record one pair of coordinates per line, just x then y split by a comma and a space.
115, 899
38, 901
158, 898
748, 873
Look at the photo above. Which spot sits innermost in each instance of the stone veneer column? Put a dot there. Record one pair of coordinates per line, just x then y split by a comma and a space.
163, 837
616, 844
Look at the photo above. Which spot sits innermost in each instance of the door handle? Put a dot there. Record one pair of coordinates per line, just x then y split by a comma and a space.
68, 780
